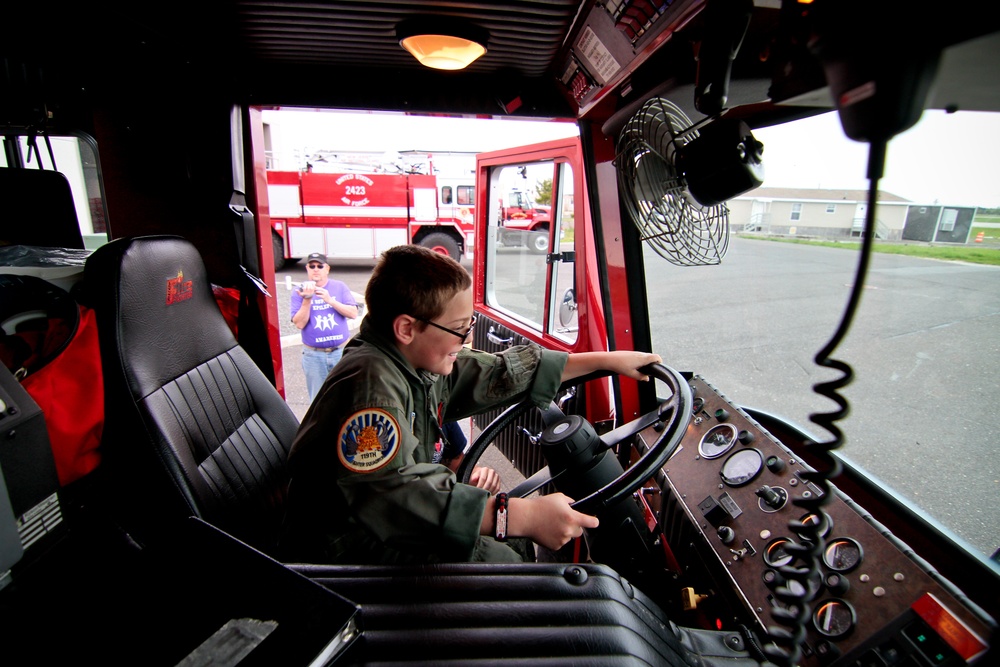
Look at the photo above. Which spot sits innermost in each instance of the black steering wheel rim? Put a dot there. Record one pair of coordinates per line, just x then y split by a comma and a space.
676, 412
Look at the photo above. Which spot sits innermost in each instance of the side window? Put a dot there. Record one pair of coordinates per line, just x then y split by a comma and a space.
564, 323
76, 159
446, 194
948, 218
466, 195
529, 247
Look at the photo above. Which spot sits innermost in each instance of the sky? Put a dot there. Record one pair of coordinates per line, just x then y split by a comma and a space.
946, 158
384, 132
949, 158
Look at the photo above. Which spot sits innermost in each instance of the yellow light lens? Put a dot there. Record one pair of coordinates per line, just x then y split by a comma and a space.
443, 51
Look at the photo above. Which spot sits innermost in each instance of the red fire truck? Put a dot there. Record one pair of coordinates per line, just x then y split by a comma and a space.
519, 214
520, 208
357, 215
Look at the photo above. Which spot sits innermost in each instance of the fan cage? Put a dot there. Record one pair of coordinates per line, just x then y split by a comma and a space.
656, 196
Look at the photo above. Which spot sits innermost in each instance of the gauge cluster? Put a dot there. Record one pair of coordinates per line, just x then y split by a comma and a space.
738, 486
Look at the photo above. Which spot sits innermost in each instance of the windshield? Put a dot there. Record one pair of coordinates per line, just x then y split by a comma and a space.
924, 342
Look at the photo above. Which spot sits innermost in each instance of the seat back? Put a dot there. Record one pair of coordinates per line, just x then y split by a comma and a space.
193, 428
36, 208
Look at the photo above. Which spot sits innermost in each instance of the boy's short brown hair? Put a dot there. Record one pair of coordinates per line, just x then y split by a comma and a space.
412, 280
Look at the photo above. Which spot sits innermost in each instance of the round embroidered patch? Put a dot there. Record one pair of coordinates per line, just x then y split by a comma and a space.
368, 440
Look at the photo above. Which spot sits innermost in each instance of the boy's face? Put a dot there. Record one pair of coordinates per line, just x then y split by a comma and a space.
435, 350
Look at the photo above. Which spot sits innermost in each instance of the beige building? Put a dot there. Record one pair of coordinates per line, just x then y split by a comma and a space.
816, 213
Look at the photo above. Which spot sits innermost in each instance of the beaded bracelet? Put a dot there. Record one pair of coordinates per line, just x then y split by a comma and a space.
501, 507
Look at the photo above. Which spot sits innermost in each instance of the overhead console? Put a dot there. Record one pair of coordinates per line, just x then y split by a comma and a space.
622, 52
612, 40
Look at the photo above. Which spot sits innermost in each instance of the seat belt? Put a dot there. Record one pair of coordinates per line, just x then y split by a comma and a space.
251, 327
245, 236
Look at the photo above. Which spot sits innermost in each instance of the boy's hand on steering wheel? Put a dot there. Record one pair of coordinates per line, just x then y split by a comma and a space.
549, 520
628, 363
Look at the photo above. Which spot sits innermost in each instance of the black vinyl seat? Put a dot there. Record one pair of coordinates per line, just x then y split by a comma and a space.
554, 614
36, 209
194, 428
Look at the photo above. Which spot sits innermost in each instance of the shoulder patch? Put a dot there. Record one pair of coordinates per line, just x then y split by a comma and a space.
368, 440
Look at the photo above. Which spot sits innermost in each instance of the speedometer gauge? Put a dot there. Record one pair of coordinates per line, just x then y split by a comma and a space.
717, 441
742, 467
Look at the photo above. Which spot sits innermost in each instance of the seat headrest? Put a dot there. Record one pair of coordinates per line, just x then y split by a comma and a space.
36, 208
155, 308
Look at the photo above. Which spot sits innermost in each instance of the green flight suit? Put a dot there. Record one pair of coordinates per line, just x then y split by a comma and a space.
364, 487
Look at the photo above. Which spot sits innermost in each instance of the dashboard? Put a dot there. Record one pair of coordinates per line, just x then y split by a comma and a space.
877, 603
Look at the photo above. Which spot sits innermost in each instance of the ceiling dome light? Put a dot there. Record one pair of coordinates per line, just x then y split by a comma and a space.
442, 43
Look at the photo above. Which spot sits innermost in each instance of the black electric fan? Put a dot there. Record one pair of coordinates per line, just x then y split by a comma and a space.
675, 179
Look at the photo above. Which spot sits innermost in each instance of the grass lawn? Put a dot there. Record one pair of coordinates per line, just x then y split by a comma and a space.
959, 253
988, 232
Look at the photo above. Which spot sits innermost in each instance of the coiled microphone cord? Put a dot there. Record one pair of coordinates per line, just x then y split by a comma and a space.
802, 574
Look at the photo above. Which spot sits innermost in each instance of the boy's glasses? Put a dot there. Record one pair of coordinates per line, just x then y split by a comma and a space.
314, 266
463, 335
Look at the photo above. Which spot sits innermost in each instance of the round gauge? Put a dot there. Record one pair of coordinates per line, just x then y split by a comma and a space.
834, 618
775, 553
842, 554
717, 441
742, 467
795, 587
821, 523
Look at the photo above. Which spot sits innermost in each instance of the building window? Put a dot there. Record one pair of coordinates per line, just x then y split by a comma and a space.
948, 218
831, 208
796, 212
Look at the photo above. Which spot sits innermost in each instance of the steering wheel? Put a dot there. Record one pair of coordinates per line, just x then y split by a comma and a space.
671, 418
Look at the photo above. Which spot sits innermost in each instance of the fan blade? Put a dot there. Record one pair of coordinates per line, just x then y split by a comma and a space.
656, 193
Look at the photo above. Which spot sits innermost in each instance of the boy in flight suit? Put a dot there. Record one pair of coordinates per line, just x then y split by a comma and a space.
364, 486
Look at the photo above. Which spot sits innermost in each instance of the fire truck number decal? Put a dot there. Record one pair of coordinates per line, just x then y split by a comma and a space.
353, 190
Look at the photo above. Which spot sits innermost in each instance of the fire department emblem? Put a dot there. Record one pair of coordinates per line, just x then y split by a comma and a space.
368, 440
179, 289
